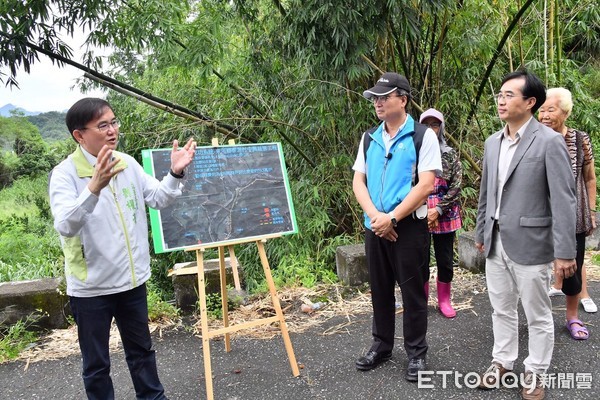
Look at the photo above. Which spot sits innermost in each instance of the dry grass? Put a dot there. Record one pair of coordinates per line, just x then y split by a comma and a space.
338, 301
592, 269
61, 343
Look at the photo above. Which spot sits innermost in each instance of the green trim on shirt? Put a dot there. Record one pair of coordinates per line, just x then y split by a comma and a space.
75, 264
84, 168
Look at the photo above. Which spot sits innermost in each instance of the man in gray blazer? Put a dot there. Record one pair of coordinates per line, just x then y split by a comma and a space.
525, 221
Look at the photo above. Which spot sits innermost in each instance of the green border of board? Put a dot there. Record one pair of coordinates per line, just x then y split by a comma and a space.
155, 221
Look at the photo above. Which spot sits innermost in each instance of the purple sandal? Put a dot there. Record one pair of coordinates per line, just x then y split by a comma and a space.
575, 330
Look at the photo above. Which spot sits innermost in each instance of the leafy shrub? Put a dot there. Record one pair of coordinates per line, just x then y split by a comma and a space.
214, 308
29, 245
16, 338
158, 307
9, 163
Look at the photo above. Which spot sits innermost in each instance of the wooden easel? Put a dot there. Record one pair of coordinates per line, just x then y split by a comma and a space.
227, 329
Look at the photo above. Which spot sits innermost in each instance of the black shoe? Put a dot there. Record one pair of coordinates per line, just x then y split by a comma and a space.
414, 366
372, 359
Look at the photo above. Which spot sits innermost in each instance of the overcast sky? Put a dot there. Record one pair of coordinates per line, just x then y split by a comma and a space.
47, 87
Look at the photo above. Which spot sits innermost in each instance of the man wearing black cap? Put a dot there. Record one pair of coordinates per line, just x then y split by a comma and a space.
392, 178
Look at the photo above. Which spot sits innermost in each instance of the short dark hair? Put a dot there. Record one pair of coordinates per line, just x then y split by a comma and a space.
84, 111
402, 92
533, 87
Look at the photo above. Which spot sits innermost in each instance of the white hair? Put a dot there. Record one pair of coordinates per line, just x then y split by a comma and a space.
565, 100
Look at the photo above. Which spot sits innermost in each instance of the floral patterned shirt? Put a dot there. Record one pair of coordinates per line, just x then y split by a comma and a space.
446, 194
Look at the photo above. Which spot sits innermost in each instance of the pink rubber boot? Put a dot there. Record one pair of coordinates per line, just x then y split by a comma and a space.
443, 290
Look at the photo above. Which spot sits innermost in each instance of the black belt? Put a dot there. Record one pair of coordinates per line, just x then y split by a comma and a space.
496, 226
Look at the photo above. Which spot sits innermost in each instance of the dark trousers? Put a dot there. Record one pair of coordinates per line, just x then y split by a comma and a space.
400, 262
443, 248
572, 286
93, 316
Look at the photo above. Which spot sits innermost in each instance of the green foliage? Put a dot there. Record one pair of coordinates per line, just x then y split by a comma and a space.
33, 155
51, 125
59, 150
330, 39
16, 338
584, 85
294, 71
581, 33
158, 307
41, 22
19, 198
8, 132
21, 132
9, 163
29, 245
13, 132
160, 264
214, 306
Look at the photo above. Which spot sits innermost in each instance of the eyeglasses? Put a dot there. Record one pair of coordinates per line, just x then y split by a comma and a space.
383, 99
105, 126
433, 125
507, 96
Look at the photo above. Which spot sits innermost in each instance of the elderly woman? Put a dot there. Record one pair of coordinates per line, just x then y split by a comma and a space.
443, 212
553, 113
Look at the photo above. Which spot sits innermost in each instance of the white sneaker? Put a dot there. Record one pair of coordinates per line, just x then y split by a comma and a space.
555, 292
588, 305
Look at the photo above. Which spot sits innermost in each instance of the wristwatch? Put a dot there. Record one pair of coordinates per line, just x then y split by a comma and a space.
394, 222
176, 176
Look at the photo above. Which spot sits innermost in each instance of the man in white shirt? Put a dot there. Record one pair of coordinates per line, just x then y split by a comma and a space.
392, 179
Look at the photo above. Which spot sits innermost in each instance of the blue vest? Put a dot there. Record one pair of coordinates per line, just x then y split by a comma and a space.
390, 176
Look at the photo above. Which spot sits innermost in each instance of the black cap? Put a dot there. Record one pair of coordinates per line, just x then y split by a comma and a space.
388, 82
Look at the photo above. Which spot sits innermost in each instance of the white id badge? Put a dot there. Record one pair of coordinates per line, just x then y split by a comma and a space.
421, 212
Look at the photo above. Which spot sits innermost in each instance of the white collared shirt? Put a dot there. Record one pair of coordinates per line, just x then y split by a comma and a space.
508, 146
428, 160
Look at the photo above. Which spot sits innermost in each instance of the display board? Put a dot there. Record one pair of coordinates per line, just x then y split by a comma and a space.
231, 194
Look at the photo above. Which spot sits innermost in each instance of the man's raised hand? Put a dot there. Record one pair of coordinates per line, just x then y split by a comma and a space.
104, 170
182, 157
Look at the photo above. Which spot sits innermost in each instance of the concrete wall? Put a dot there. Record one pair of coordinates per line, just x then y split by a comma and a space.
351, 263
185, 281
468, 256
43, 300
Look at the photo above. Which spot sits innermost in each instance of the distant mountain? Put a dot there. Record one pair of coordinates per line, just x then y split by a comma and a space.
51, 125
5, 110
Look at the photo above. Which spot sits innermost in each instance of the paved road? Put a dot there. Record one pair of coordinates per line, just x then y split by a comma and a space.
259, 369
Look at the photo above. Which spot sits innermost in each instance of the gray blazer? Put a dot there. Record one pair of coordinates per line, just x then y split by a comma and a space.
538, 208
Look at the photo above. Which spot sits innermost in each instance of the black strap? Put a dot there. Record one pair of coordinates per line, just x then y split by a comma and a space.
367, 141
177, 176
418, 141
418, 135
